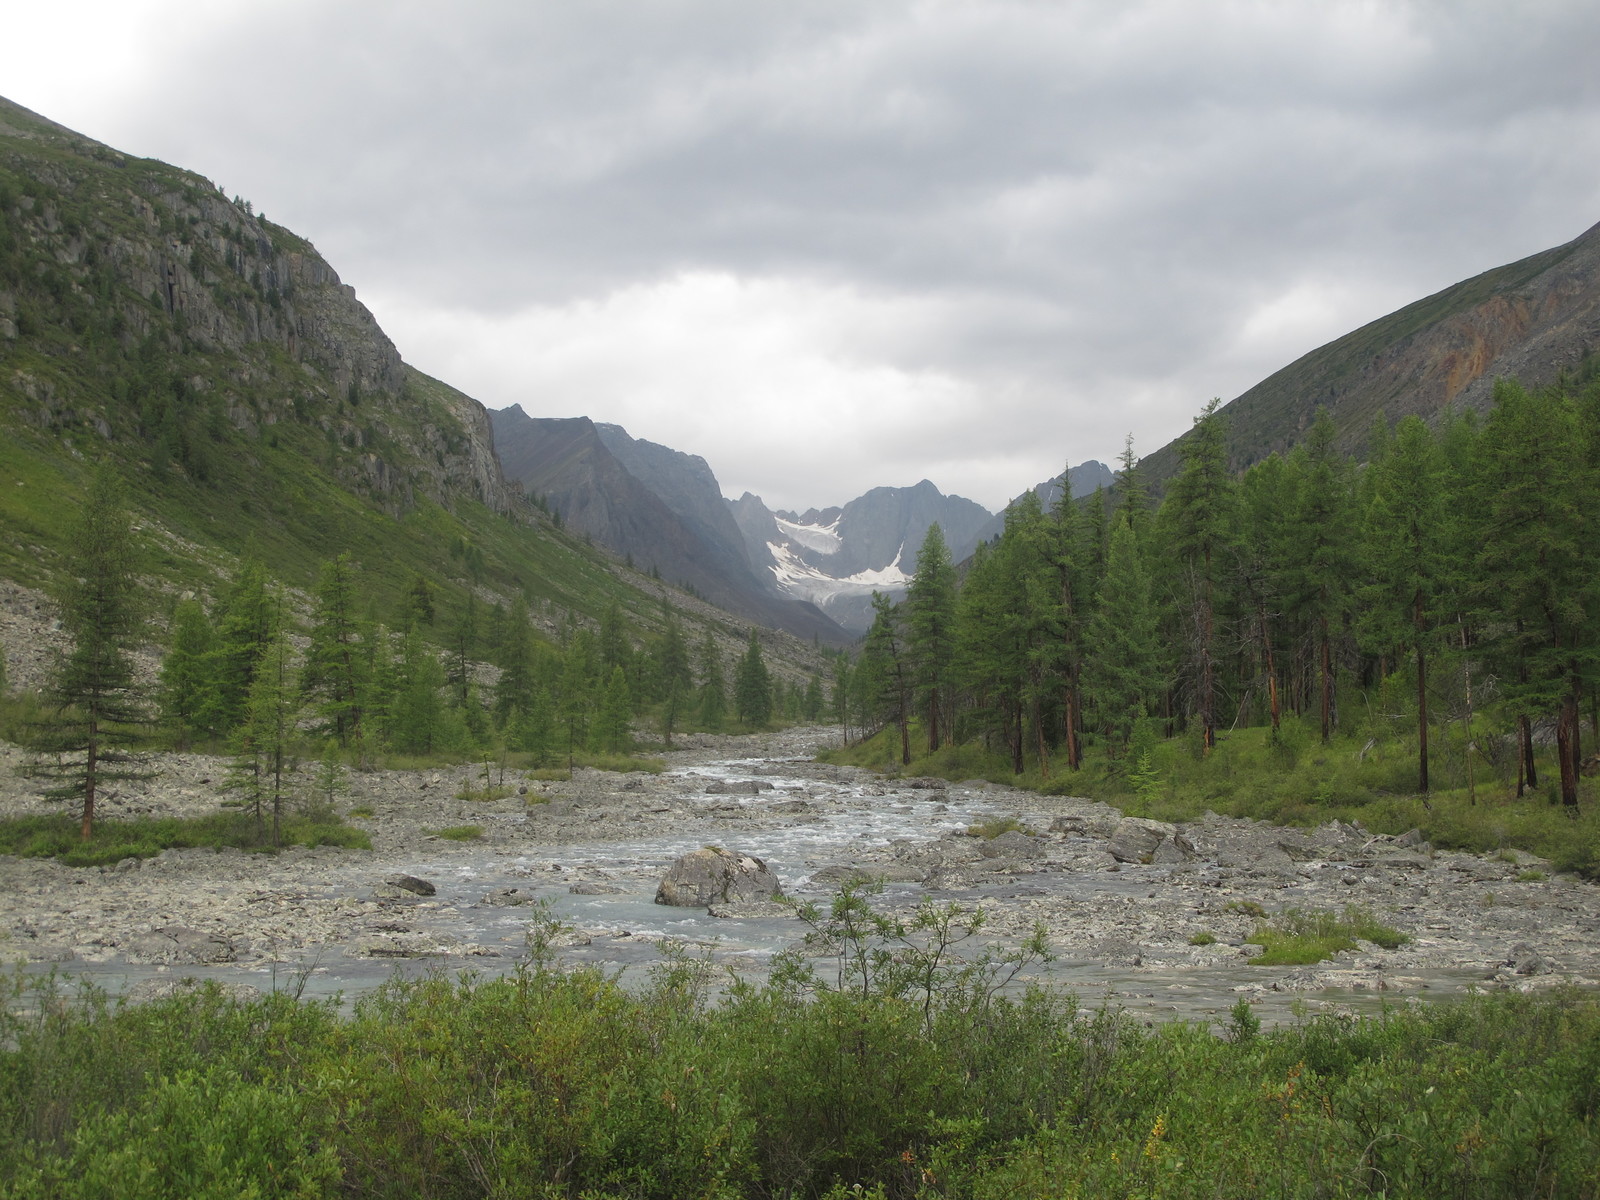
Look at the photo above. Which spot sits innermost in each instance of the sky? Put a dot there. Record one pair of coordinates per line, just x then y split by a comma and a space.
830, 246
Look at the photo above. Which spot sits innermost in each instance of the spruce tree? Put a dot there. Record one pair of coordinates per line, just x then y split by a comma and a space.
672, 677
884, 674
262, 741
244, 628
93, 691
611, 734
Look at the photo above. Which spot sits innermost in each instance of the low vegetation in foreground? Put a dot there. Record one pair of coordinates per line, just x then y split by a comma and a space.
59, 837
549, 1084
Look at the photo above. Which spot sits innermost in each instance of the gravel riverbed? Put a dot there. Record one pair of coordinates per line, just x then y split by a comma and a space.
1120, 900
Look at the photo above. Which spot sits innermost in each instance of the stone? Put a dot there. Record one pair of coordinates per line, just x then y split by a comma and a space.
737, 787
410, 883
753, 909
1525, 960
586, 888
147, 990
924, 783
714, 875
507, 897
178, 944
1174, 850
1135, 839
1012, 844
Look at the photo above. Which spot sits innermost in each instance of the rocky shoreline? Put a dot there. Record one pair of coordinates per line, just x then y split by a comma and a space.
1113, 894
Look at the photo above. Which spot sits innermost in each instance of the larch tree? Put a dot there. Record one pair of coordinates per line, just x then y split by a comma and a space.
333, 678
93, 692
752, 686
930, 609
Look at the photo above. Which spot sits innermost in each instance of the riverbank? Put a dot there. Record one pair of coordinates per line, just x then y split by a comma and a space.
1160, 915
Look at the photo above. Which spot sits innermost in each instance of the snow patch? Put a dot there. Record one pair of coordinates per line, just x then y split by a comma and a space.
824, 539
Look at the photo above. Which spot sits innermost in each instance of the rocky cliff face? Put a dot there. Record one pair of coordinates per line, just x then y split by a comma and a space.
1529, 320
111, 265
661, 509
1081, 480
836, 558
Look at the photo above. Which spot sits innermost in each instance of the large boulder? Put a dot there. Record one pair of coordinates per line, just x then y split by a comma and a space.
1135, 839
179, 945
716, 876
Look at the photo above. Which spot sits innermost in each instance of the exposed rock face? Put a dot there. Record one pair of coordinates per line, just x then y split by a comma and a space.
1528, 320
174, 263
717, 876
658, 507
837, 557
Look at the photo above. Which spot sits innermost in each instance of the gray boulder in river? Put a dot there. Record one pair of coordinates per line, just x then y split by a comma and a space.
716, 876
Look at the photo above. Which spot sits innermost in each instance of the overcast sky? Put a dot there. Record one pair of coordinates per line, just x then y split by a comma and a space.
831, 246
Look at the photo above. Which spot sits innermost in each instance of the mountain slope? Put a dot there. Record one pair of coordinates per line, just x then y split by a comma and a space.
660, 508
837, 557
1530, 319
251, 401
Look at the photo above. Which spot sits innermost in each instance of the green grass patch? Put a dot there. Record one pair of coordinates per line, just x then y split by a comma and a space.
459, 833
1204, 938
144, 837
1298, 938
363, 811
995, 826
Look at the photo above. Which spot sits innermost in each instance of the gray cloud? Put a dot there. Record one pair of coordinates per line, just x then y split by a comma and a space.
955, 240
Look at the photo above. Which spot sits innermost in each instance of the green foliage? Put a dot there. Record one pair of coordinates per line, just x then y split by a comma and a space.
459, 833
1294, 937
1203, 938
995, 826
752, 686
113, 841
550, 1083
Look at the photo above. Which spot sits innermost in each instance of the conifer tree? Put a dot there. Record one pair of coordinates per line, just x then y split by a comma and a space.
187, 682
1199, 517
884, 675
262, 741
416, 710
244, 629
93, 691
673, 679
752, 686
611, 719
334, 675
576, 694
930, 633
1406, 539
464, 639
1125, 669
514, 690
713, 687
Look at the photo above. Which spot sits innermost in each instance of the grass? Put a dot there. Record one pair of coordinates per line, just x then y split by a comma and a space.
995, 826
1204, 938
459, 833
145, 837
1297, 938
363, 811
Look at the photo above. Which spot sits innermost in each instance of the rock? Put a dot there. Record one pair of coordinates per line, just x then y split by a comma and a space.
392, 946
1173, 850
410, 883
593, 889
1135, 839
737, 787
1012, 844
507, 897
1117, 951
1413, 839
147, 990
750, 908
924, 783
179, 944
1525, 960
715, 875
1402, 862
843, 873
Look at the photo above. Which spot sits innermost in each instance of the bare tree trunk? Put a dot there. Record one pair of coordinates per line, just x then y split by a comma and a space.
1325, 665
90, 767
1566, 742
1528, 773
1422, 699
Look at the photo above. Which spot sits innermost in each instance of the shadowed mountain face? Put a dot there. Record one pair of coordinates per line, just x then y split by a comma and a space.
837, 557
658, 507
1528, 320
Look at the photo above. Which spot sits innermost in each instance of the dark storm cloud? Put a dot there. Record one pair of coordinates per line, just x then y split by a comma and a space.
1014, 217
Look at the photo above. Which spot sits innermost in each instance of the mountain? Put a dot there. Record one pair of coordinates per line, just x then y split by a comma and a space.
836, 558
254, 407
1531, 320
658, 507
1081, 480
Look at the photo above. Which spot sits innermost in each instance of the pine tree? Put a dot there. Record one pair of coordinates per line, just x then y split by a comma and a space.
752, 686
93, 691
672, 676
930, 608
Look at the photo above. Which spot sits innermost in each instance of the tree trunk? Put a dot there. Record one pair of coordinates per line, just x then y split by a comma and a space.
1566, 742
1325, 667
90, 766
1422, 699
1071, 718
1529, 773
933, 719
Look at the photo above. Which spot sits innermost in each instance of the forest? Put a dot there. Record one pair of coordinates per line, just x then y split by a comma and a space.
1436, 603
